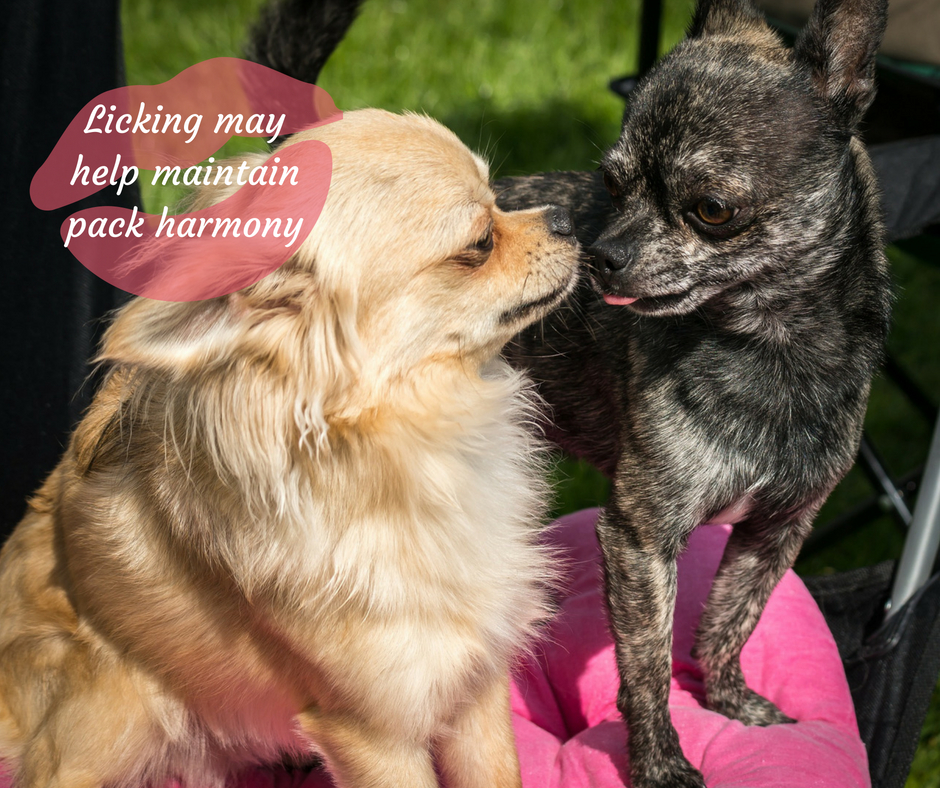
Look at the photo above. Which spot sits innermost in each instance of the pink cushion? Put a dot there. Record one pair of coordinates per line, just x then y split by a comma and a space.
569, 732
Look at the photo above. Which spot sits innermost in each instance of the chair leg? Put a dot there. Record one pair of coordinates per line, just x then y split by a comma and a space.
923, 537
880, 477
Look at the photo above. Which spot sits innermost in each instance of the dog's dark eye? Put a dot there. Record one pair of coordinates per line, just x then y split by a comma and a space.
485, 243
611, 185
477, 253
714, 213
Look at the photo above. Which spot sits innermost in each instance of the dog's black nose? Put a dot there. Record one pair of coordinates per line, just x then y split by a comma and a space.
609, 257
559, 221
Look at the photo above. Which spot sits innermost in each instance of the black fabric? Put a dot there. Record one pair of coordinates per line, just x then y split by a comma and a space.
891, 669
909, 175
56, 56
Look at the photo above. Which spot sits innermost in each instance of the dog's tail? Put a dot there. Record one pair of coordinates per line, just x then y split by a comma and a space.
297, 37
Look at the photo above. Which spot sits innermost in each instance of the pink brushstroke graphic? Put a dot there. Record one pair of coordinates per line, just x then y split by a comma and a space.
211, 252
181, 123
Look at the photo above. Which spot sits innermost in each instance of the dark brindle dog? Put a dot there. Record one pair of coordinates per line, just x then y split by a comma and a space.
739, 252
739, 249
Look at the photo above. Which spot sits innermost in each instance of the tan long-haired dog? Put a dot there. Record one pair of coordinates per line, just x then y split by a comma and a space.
300, 518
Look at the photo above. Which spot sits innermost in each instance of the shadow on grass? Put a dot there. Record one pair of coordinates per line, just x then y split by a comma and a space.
556, 135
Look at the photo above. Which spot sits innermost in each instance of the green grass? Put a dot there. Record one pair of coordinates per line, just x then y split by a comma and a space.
526, 84
925, 772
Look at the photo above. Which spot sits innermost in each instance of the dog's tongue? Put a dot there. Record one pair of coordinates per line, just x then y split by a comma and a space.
618, 300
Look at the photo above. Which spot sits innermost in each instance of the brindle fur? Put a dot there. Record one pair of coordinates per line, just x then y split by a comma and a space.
739, 379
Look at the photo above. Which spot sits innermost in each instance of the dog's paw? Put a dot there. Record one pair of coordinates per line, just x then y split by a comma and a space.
748, 707
674, 773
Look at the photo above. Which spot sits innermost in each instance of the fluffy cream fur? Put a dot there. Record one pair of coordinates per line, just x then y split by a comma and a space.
301, 518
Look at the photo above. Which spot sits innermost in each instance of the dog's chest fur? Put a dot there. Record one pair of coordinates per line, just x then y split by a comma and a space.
414, 558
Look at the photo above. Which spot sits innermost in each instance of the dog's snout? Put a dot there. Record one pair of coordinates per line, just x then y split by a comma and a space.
559, 221
609, 257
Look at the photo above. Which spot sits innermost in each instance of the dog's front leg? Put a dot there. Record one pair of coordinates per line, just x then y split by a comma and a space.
640, 579
479, 749
760, 549
362, 756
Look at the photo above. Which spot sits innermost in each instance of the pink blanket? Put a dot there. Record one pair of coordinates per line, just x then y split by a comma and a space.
569, 732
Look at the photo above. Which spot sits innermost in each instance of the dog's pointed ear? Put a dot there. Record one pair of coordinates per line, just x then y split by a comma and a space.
172, 336
725, 17
838, 45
